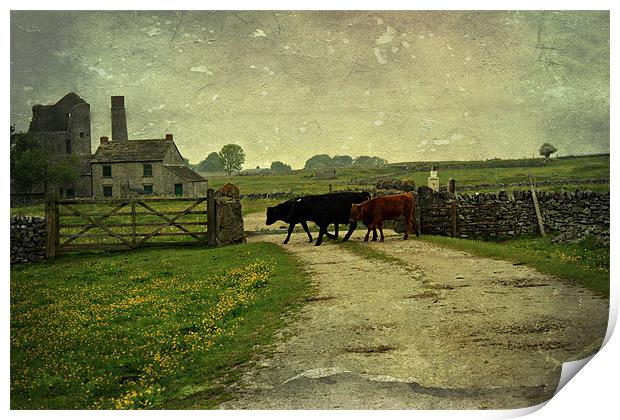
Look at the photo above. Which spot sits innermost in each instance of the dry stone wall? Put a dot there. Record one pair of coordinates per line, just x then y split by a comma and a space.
501, 214
27, 238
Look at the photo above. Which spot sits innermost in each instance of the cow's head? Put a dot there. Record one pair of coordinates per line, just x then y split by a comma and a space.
272, 215
357, 212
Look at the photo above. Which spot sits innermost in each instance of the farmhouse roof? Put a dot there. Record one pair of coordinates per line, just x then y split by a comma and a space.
185, 172
133, 151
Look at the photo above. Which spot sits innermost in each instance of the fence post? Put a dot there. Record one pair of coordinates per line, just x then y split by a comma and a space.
211, 233
133, 222
541, 224
452, 186
330, 187
51, 225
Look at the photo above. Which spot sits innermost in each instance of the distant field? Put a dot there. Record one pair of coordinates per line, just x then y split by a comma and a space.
302, 182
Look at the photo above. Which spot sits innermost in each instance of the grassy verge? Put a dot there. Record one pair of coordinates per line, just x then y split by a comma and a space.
146, 329
586, 263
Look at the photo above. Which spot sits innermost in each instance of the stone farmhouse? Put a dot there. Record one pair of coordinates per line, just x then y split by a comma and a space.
143, 167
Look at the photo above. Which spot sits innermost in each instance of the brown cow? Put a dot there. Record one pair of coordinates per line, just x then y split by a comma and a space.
373, 212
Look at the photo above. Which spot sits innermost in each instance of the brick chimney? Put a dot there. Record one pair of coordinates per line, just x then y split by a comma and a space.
119, 119
103, 140
169, 137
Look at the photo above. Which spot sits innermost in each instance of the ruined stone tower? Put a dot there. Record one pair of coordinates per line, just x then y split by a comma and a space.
119, 119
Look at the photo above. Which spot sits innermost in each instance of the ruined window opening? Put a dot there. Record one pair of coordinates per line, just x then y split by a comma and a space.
81, 134
147, 170
107, 171
68, 148
70, 193
147, 189
107, 191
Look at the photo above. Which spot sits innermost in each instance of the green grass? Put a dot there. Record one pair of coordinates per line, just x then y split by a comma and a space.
145, 329
586, 263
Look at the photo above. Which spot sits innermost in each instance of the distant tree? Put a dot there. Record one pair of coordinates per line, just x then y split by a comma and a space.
547, 150
233, 158
280, 167
343, 160
212, 163
369, 161
319, 162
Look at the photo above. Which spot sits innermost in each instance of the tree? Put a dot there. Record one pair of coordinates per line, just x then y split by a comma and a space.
367, 161
319, 162
212, 163
547, 150
280, 167
32, 165
233, 157
343, 160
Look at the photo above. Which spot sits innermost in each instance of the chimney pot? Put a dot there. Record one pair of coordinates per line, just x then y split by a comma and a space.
118, 102
169, 137
103, 139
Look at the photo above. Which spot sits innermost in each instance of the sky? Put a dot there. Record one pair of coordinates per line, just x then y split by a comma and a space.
402, 85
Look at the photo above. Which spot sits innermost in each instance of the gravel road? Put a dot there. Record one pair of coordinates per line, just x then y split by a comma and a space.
427, 328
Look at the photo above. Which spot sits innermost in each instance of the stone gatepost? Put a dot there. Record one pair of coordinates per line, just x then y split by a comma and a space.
228, 221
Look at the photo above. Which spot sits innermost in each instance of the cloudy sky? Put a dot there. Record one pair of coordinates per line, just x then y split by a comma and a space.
405, 86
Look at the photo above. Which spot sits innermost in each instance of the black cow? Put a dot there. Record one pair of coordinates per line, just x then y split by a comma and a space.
325, 209
282, 212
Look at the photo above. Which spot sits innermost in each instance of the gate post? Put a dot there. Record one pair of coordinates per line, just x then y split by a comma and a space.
211, 229
51, 225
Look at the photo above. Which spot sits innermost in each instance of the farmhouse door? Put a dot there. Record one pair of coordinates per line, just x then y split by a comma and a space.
178, 190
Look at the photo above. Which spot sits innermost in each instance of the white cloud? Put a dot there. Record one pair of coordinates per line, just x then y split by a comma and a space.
259, 33
387, 36
437, 142
380, 58
377, 123
201, 69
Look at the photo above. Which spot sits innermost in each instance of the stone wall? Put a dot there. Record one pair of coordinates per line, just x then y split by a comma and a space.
501, 214
27, 238
229, 221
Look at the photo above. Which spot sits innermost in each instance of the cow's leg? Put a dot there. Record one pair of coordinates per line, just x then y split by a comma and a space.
329, 235
291, 226
367, 235
374, 234
305, 226
380, 226
352, 227
322, 231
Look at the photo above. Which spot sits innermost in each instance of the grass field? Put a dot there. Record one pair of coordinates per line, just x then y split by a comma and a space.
301, 182
145, 329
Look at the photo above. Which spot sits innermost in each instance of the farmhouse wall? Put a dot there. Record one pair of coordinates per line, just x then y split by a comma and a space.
27, 238
229, 221
162, 179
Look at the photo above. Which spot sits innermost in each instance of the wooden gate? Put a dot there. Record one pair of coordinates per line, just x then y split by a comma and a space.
128, 223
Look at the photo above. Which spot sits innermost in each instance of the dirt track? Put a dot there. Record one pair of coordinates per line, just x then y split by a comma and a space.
438, 329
